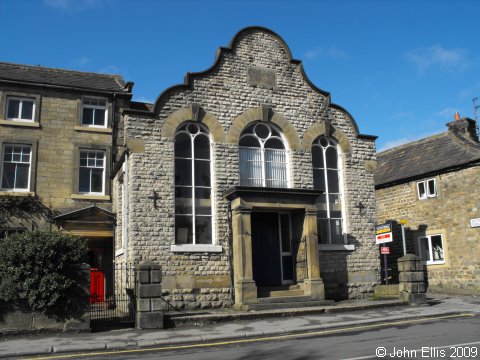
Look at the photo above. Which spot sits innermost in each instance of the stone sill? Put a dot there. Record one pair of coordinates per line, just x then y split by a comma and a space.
89, 197
336, 247
16, 193
429, 263
93, 129
29, 124
196, 248
119, 252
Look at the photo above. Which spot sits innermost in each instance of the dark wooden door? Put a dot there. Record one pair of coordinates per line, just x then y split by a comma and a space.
266, 260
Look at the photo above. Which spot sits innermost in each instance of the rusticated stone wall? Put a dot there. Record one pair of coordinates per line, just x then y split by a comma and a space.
257, 70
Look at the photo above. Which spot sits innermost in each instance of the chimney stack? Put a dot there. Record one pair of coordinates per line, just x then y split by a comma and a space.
463, 126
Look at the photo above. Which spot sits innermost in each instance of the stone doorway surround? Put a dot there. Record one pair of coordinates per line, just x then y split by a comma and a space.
243, 201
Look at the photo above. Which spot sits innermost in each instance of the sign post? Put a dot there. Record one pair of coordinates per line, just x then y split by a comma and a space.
404, 222
383, 234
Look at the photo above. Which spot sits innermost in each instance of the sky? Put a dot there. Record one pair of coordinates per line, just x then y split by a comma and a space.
401, 68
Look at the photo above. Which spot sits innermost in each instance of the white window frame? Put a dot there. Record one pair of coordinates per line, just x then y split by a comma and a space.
193, 247
429, 241
21, 99
95, 107
2, 169
427, 194
81, 150
262, 153
333, 143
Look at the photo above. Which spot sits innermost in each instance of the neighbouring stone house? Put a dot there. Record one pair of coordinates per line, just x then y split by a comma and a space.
433, 184
246, 180
57, 152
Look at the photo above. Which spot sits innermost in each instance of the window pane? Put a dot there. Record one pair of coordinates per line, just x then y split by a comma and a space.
27, 110
249, 141
183, 172
274, 144
8, 175
276, 168
203, 230
424, 250
262, 131
322, 226
202, 147
183, 206
285, 230
99, 117
421, 190
21, 179
183, 146
202, 193
317, 157
437, 247
319, 179
336, 231
97, 180
332, 176
202, 173
183, 229
183, 192
13, 108
251, 167
203, 206
331, 155
87, 118
431, 187
84, 180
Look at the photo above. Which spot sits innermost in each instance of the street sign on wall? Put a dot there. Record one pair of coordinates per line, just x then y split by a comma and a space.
383, 233
385, 250
475, 222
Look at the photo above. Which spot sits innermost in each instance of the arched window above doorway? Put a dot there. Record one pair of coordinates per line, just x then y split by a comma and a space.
263, 157
193, 185
327, 178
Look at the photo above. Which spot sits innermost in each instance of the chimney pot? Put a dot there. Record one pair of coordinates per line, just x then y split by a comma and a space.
457, 116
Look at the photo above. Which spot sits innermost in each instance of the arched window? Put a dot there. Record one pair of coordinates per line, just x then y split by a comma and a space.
263, 158
326, 177
193, 188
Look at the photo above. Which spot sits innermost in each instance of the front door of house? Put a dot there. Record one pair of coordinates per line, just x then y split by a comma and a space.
272, 257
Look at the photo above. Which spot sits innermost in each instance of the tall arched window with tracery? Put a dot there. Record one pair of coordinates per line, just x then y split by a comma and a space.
263, 157
327, 178
193, 185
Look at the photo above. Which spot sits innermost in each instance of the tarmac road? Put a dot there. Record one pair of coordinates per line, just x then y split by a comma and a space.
441, 338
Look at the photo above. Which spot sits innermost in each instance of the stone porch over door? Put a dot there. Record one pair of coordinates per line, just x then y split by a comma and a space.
247, 200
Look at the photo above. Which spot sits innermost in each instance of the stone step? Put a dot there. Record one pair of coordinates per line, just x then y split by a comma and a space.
280, 291
289, 305
285, 299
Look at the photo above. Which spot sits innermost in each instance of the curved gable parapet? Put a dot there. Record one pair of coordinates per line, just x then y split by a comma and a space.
353, 122
220, 54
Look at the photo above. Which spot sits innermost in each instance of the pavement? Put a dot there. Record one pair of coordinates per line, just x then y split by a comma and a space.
225, 325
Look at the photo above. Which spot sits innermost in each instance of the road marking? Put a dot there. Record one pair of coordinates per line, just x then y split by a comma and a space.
436, 347
252, 340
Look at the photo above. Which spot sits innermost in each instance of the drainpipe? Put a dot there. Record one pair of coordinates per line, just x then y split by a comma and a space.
230, 252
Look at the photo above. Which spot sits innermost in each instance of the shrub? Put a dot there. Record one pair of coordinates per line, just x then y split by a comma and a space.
41, 269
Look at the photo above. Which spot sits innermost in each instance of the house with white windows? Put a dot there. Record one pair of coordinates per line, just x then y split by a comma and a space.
57, 153
247, 183
431, 186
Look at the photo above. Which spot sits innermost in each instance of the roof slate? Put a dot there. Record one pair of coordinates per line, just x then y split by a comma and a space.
60, 77
426, 156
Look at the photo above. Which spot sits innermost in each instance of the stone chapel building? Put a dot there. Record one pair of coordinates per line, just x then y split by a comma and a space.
246, 181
